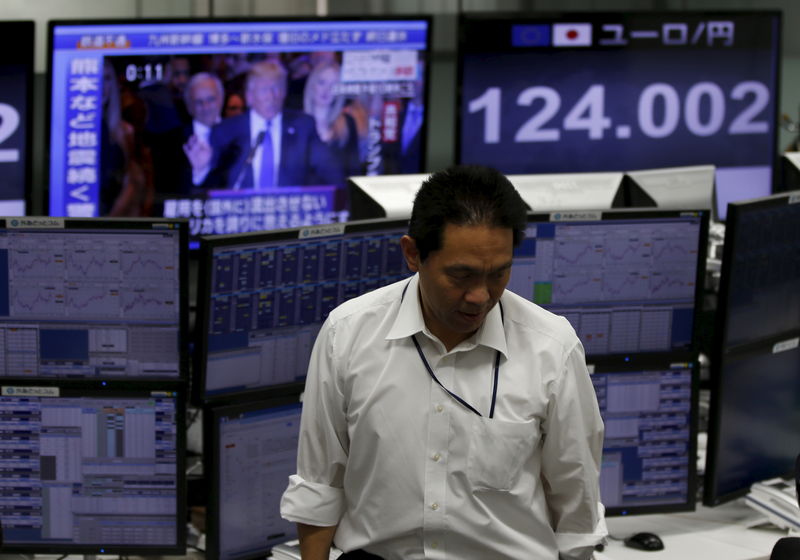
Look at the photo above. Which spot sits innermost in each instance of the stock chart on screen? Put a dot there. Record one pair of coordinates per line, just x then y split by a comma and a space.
84, 299
627, 282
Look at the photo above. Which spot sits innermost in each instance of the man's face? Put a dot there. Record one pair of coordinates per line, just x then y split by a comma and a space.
461, 282
265, 94
205, 102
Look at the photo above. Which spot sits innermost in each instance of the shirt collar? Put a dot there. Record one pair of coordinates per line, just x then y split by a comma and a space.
259, 123
409, 321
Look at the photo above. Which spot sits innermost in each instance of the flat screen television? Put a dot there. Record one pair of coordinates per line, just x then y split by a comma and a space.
251, 451
97, 298
650, 412
588, 92
265, 295
132, 103
16, 116
92, 468
630, 282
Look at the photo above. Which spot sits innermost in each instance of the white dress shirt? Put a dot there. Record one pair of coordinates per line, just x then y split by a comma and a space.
201, 131
408, 472
257, 125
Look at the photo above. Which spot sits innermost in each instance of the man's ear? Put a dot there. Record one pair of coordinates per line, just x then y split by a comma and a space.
410, 252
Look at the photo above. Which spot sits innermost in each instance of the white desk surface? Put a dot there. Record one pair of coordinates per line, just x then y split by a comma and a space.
731, 531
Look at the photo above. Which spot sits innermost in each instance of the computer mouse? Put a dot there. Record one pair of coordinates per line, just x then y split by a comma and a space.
644, 541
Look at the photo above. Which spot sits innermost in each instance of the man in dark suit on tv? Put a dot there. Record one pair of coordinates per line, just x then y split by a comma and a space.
268, 146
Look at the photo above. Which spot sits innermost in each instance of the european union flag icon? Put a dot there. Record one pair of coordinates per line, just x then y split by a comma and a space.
536, 35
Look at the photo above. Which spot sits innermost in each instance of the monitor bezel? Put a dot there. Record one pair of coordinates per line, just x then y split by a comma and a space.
123, 389
149, 224
52, 24
208, 244
720, 349
211, 458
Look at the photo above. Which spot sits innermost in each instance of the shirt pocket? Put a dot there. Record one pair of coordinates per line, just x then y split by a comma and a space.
498, 451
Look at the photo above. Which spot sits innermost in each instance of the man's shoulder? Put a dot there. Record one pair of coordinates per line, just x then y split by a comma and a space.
527, 315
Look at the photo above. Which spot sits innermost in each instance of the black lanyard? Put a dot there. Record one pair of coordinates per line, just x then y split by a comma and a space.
451, 393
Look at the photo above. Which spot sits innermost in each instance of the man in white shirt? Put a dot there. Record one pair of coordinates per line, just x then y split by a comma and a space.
445, 417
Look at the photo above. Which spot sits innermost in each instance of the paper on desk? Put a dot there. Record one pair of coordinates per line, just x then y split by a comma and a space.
291, 551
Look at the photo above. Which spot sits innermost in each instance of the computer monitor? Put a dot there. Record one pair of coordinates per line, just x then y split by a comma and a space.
630, 282
93, 468
385, 196
759, 298
675, 188
265, 295
363, 79
251, 451
755, 359
649, 451
570, 191
587, 92
16, 116
790, 171
93, 298
753, 418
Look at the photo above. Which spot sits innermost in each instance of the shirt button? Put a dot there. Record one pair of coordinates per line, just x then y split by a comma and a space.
439, 408
436, 457
434, 506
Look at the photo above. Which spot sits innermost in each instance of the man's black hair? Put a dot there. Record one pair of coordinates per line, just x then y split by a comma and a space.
465, 195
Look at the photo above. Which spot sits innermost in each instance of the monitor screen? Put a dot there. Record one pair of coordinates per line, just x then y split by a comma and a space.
759, 292
236, 125
251, 452
619, 91
93, 298
92, 469
754, 417
628, 281
16, 115
649, 450
265, 295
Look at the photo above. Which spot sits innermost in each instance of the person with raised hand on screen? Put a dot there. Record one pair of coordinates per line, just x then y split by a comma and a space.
335, 127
